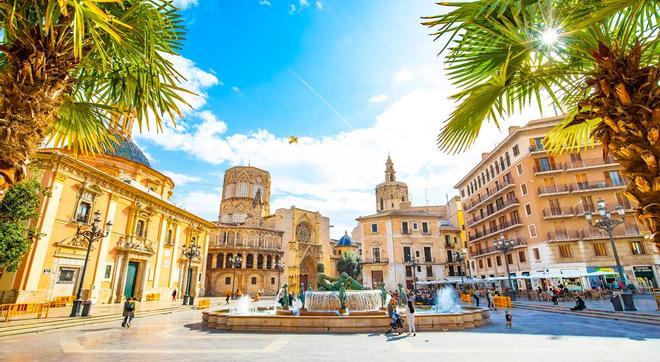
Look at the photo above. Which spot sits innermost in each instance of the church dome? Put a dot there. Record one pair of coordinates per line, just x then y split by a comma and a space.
127, 149
345, 240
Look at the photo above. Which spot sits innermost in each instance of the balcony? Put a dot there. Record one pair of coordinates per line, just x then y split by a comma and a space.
518, 242
598, 185
536, 148
554, 190
499, 208
563, 235
555, 213
626, 230
489, 195
490, 231
590, 163
541, 170
374, 261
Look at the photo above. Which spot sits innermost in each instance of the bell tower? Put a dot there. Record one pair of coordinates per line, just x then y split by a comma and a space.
391, 193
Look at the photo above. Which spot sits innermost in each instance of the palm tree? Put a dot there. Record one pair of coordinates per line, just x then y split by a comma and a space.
73, 70
596, 61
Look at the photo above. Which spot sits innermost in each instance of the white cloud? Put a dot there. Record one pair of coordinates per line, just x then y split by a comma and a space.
181, 179
202, 203
319, 5
194, 79
235, 89
184, 4
378, 98
292, 9
264, 3
403, 75
303, 3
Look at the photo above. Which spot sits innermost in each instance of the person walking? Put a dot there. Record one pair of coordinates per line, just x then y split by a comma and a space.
410, 318
227, 299
489, 298
174, 295
129, 312
476, 296
509, 319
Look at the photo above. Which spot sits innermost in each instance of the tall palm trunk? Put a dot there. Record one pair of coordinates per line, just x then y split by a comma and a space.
31, 84
627, 98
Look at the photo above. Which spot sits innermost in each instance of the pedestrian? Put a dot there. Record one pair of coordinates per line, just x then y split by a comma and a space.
174, 295
476, 296
227, 299
129, 312
579, 304
489, 298
410, 318
508, 317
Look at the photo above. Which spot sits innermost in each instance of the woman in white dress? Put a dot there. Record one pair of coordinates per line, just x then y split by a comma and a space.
410, 318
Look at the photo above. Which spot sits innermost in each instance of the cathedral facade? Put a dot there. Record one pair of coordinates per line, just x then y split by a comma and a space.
255, 251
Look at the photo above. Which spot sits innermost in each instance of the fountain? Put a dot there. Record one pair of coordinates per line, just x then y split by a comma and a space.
355, 301
243, 306
446, 301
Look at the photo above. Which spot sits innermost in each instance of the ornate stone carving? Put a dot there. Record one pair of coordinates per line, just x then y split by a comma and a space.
303, 233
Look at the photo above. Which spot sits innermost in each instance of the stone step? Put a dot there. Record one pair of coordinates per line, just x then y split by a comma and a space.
635, 317
66, 322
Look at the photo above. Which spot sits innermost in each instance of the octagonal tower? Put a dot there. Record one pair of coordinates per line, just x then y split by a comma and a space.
245, 195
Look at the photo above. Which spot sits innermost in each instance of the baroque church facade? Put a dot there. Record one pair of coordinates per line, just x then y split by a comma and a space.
252, 250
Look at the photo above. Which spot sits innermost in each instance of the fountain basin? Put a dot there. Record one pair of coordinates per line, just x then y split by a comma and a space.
356, 301
470, 317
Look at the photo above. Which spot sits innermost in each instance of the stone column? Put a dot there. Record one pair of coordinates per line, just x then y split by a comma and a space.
159, 252
174, 270
123, 262
104, 246
143, 282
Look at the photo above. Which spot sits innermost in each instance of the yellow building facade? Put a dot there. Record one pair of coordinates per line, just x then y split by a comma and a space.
141, 256
273, 249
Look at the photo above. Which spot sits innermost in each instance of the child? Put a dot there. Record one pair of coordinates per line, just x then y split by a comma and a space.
508, 318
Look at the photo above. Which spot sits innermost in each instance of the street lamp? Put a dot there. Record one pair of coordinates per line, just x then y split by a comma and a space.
91, 235
504, 246
191, 251
607, 223
414, 267
279, 265
236, 262
460, 258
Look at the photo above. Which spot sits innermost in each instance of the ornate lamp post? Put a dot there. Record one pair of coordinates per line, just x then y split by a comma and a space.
504, 246
191, 251
459, 256
607, 223
236, 262
414, 264
279, 265
93, 234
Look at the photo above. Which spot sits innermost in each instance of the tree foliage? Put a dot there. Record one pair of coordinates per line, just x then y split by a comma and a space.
19, 205
350, 263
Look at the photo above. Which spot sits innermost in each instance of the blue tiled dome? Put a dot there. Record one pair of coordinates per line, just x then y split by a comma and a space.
345, 240
127, 149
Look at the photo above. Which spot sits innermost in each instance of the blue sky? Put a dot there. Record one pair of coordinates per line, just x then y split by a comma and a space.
353, 80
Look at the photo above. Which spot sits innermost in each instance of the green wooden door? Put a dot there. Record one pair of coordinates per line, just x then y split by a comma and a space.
131, 276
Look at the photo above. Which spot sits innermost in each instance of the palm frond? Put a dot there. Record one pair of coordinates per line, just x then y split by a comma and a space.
568, 136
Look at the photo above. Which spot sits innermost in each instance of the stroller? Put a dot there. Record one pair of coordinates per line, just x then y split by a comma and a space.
396, 324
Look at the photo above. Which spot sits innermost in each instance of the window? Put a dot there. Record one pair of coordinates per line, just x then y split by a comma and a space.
599, 249
509, 258
108, 271
406, 254
404, 228
507, 158
498, 260
481, 264
516, 150
242, 189
229, 191
489, 263
139, 229
472, 264
537, 255
82, 213
429, 271
415, 226
419, 269
523, 189
521, 257
582, 181
450, 256
254, 281
565, 251
376, 253
519, 167
272, 280
168, 238
381, 203
408, 271
587, 203
536, 144
67, 275
613, 178
636, 247
218, 261
555, 207
528, 209
227, 280
532, 230
425, 227
374, 228
543, 164
427, 253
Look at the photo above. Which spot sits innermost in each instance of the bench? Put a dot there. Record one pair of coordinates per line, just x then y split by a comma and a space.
153, 297
502, 302
62, 301
10, 310
203, 303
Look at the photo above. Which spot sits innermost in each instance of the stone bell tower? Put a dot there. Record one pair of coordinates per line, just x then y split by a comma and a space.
391, 193
245, 196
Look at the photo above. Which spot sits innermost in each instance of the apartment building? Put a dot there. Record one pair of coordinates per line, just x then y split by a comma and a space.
538, 200
402, 243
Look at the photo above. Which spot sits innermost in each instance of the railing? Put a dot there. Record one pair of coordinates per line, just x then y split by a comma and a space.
491, 249
10, 310
558, 212
549, 168
489, 231
585, 186
545, 190
591, 234
374, 261
574, 164
136, 243
505, 183
498, 208
563, 235
536, 148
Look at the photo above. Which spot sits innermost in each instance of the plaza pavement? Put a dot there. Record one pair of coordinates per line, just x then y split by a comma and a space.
536, 336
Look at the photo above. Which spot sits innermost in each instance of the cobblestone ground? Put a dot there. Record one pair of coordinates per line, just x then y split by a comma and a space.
536, 336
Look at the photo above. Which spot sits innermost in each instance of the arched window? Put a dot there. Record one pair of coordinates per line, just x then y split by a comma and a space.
381, 203
260, 262
240, 256
242, 189
277, 260
249, 263
508, 160
229, 191
303, 233
82, 214
209, 257
219, 260
139, 229
269, 262
228, 260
